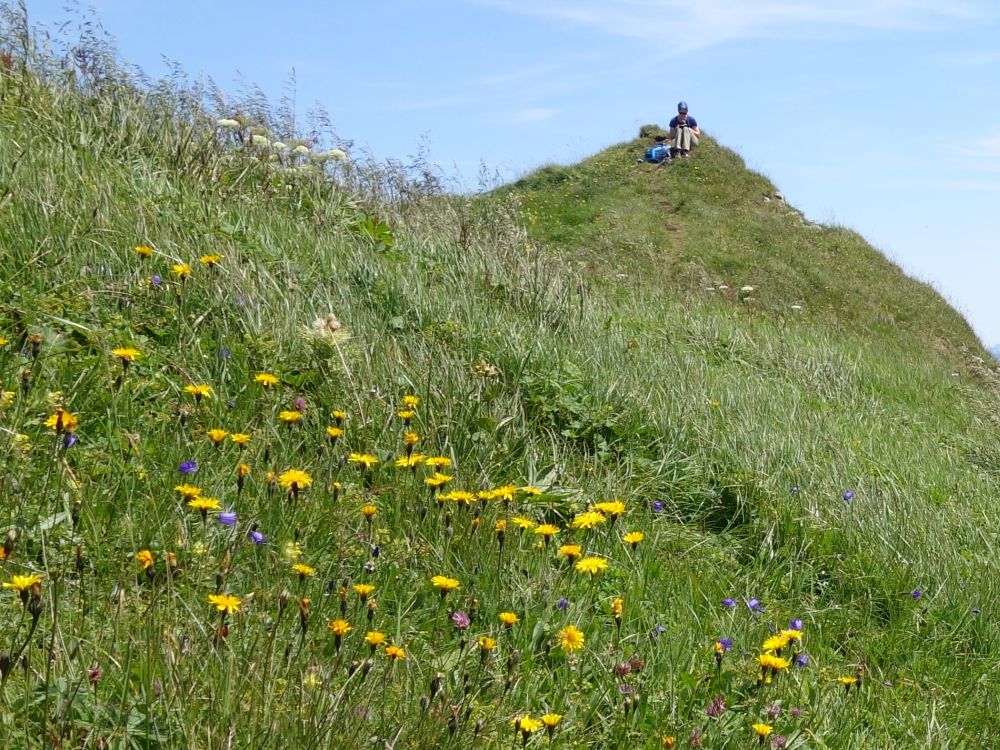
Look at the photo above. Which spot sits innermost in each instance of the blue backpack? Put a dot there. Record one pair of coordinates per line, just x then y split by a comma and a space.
657, 153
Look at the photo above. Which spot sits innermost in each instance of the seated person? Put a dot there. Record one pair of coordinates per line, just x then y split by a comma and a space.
683, 132
659, 152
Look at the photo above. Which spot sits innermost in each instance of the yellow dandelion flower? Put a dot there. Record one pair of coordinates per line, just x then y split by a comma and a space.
526, 724
617, 607
509, 619
363, 590
217, 435
547, 530
591, 565
340, 628
374, 638
303, 570
62, 421
143, 251
525, 524
338, 415
181, 270
225, 603
188, 490
587, 520
334, 433
613, 508
762, 730
569, 551
126, 354
290, 416
21, 584
410, 462
438, 462
241, 438
364, 460
411, 402
438, 479
209, 260
551, 721
792, 634
633, 538
204, 504
369, 511
571, 639
445, 584
199, 391
410, 438
486, 643
295, 480
396, 653
145, 559
775, 643
266, 379
530, 490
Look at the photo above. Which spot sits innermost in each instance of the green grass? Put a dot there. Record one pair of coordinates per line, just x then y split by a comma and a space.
535, 364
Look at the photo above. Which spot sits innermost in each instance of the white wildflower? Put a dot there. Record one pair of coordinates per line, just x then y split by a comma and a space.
746, 289
279, 146
796, 307
334, 154
228, 124
330, 328
259, 140
301, 150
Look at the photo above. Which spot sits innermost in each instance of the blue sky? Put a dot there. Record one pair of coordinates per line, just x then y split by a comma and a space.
882, 115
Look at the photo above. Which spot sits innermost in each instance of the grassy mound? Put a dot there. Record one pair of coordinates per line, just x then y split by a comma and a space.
442, 472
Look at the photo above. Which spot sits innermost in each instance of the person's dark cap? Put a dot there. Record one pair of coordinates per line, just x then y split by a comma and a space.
682, 106
660, 138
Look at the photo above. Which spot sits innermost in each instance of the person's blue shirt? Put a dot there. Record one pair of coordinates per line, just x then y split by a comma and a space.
690, 122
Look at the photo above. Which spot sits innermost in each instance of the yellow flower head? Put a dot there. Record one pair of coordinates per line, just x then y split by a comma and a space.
617, 606
209, 260
445, 584
145, 559
406, 415
340, 627
21, 583
242, 470
62, 421
396, 653
569, 551
770, 661
368, 511
591, 565
571, 639
188, 491
633, 538
775, 643
438, 479
374, 638
199, 391
204, 504
847, 682
486, 643
613, 508
339, 415
290, 416
526, 724
587, 520
509, 619
225, 603
523, 523
438, 462
762, 730
143, 251
551, 721
411, 402
181, 270
529, 490
547, 530
792, 634
334, 433
295, 480
364, 460
126, 353
303, 570
240, 438
410, 462
363, 590
266, 379
217, 435
410, 438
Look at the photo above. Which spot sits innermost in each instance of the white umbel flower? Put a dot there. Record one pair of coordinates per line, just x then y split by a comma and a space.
228, 124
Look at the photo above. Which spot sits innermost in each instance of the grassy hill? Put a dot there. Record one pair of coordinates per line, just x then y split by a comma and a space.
550, 349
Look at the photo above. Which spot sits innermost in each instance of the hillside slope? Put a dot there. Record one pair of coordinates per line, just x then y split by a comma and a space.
771, 466
708, 223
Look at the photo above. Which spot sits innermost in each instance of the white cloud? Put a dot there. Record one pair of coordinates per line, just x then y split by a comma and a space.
686, 25
534, 114
982, 148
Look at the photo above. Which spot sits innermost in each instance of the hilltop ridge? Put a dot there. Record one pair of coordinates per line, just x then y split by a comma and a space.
696, 226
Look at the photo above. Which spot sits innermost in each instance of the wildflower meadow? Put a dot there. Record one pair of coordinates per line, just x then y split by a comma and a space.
302, 450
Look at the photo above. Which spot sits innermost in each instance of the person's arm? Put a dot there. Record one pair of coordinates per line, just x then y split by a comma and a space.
694, 129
